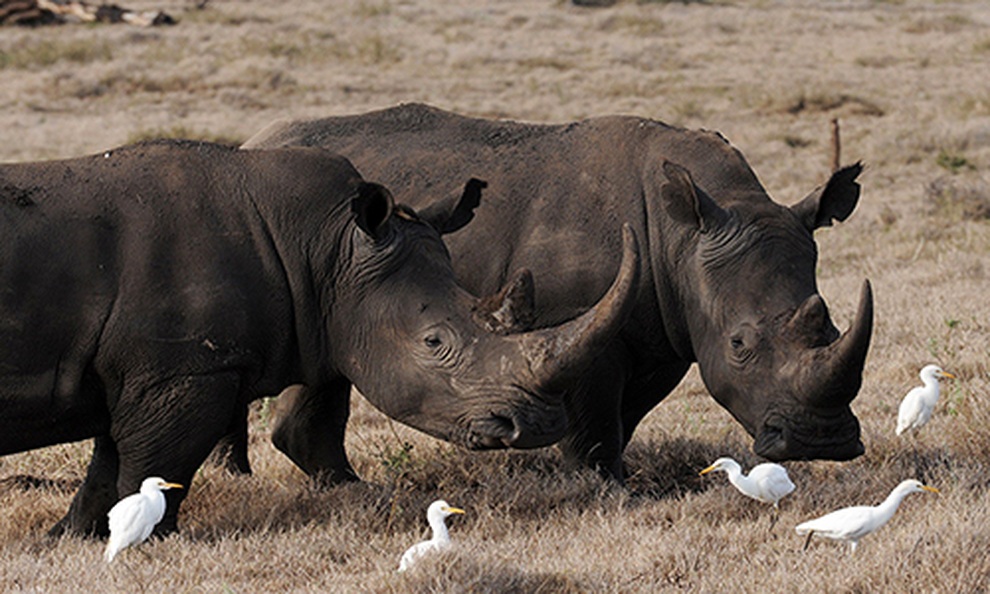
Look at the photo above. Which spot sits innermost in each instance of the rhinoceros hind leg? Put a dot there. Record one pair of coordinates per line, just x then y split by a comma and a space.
87, 514
309, 429
170, 431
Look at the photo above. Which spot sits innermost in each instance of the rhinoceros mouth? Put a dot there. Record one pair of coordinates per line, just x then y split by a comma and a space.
530, 427
833, 436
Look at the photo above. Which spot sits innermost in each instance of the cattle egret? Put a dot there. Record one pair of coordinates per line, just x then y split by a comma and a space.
436, 514
135, 516
766, 482
916, 408
853, 523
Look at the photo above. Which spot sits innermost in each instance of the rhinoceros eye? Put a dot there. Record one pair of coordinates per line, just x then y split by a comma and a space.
433, 340
742, 343
440, 344
438, 339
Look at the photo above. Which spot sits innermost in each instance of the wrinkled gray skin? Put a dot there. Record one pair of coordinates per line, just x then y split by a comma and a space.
151, 292
728, 274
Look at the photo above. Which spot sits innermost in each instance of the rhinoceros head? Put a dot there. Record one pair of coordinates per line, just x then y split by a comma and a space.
429, 354
765, 344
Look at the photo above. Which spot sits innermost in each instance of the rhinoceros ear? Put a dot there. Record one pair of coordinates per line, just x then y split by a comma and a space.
835, 200
372, 207
687, 203
455, 211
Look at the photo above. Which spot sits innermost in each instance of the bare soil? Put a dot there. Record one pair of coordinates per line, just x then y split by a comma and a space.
907, 80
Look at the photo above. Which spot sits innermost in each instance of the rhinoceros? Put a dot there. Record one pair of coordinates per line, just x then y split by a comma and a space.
728, 274
148, 293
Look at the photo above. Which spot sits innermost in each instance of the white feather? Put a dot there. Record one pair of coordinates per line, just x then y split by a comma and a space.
134, 517
850, 524
766, 482
917, 406
436, 515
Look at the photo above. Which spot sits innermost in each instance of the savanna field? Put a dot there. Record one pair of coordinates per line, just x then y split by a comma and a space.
906, 80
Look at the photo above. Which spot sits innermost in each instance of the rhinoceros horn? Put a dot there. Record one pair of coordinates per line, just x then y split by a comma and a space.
835, 372
810, 325
557, 355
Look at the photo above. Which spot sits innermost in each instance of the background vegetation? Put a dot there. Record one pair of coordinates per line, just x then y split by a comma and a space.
904, 77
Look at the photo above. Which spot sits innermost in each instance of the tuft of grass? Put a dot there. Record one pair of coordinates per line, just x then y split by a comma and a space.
957, 197
544, 62
952, 23
825, 102
182, 133
954, 162
367, 9
640, 25
48, 52
375, 49
685, 2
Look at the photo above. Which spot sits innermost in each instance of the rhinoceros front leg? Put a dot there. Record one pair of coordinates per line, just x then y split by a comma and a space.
309, 429
645, 392
231, 452
87, 514
169, 429
594, 427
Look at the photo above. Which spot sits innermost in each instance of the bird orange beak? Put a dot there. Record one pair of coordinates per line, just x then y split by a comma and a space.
948, 375
707, 470
454, 510
173, 485
932, 489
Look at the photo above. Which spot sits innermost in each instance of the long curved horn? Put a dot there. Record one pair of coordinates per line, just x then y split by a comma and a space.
557, 355
839, 374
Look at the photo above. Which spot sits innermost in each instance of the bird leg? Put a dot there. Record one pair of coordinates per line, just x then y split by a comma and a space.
774, 516
807, 541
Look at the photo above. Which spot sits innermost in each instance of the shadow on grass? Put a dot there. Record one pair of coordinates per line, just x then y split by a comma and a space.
669, 469
27, 482
938, 465
453, 572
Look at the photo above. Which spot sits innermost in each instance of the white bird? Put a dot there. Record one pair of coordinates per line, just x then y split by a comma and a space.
135, 516
916, 408
853, 523
436, 514
766, 482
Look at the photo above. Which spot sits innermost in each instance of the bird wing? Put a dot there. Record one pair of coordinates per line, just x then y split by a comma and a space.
126, 513
416, 551
850, 523
911, 413
772, 480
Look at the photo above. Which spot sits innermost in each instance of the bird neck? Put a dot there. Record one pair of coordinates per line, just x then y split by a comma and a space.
933, 389
439, 527
737, 478
886, 510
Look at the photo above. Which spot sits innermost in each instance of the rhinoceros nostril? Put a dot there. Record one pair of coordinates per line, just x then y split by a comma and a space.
494, 430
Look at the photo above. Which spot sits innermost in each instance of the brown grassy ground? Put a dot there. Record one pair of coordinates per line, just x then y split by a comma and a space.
908, 81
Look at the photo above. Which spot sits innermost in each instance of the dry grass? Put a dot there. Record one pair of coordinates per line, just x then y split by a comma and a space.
901, 75
532, 527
